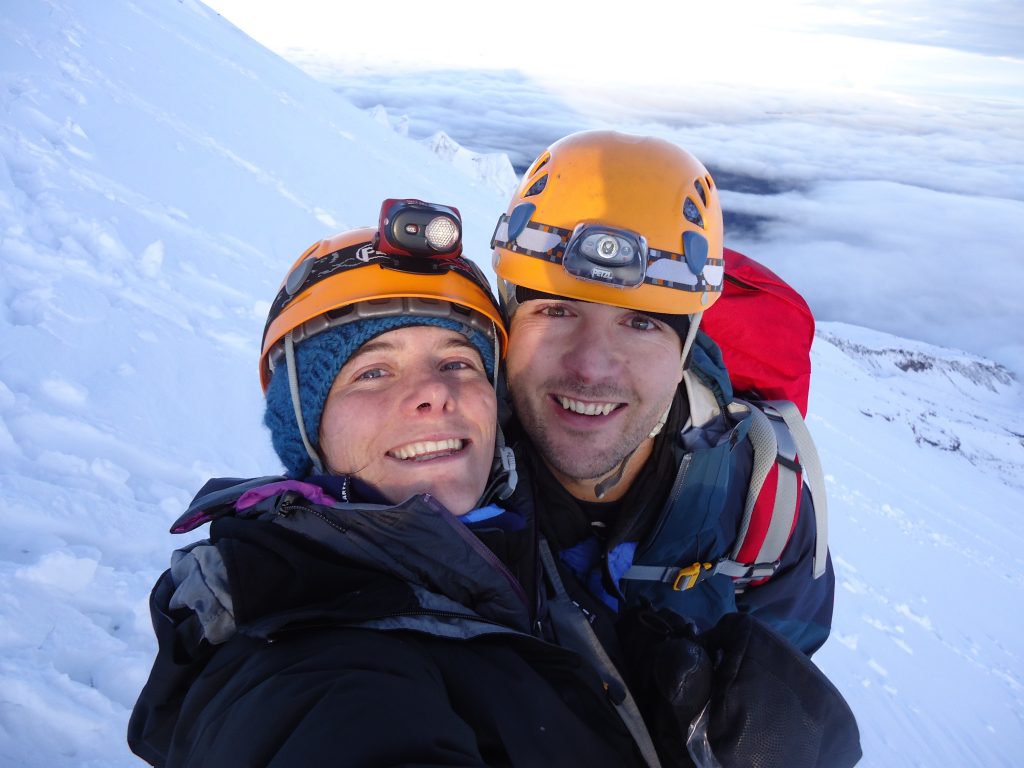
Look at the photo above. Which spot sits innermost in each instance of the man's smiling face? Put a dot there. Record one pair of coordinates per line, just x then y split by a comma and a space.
590, 382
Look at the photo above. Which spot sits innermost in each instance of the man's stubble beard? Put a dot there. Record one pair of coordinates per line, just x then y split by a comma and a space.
578, 458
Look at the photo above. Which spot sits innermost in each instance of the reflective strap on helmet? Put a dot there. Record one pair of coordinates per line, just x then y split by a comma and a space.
393, 307
293, 388
666, 269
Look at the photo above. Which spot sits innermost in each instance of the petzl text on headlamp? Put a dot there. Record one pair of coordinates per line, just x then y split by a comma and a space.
606, 255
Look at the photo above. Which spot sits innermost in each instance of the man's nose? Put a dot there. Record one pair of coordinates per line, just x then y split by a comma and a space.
592, 353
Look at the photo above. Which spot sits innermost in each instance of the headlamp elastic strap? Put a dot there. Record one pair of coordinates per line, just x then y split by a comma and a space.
293, 388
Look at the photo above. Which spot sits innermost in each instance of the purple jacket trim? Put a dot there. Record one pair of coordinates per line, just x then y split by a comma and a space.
187, 523
313, 493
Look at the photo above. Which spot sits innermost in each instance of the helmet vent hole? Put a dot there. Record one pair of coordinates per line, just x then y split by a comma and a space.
700, 191
710, 182
692, 214
539, 163
537, 187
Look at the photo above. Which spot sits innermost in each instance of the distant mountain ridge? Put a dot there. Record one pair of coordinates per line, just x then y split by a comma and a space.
948, 400
494, 169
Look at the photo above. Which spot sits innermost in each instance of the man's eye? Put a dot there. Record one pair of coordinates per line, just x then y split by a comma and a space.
555, 311
641, 323
455, 365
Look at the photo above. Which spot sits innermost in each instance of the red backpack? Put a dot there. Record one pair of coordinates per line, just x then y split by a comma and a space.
765, 330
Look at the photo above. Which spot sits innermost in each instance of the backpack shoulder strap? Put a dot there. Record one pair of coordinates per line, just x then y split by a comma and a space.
813, 474
784, 457
575, 633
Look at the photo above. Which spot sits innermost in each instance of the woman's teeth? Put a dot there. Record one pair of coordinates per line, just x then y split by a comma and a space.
427, 449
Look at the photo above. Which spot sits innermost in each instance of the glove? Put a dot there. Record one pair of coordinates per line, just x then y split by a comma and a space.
670, 677
735, 696
770, 705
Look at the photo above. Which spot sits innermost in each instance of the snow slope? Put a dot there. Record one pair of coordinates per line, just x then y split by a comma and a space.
923, 450
160, 171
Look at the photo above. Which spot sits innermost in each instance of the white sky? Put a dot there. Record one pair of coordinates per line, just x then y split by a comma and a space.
785, 43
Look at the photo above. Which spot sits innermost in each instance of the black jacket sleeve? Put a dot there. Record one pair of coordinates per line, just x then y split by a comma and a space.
181, 658
363, 698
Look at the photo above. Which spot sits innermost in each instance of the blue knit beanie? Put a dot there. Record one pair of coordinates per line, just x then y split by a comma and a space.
318, 361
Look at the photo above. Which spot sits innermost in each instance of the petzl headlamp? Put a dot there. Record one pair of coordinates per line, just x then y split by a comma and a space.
606, 255
414, 228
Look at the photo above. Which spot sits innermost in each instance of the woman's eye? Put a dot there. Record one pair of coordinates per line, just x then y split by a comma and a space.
462, 365
372, 373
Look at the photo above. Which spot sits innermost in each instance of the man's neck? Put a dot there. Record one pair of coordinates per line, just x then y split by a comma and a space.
585, 489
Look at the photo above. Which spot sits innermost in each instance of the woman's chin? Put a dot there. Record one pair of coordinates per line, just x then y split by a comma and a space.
456, 501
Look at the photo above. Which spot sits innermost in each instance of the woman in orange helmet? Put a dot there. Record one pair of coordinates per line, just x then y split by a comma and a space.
371, 607
376, 606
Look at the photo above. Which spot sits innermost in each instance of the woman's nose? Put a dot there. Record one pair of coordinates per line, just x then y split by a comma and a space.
429, 392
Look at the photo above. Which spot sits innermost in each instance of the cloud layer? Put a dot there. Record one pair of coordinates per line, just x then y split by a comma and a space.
872, 155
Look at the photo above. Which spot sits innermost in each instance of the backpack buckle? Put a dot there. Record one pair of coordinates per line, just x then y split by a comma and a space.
691, 576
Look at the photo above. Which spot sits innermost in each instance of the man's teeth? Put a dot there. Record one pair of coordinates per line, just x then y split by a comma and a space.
587, 409
427, 448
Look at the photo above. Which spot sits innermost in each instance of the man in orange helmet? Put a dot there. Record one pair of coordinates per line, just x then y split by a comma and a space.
610, 251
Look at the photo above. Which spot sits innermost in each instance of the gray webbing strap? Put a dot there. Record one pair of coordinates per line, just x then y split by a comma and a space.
703, 405
766, 451
811, 462
576, 634
788, 488
682, 579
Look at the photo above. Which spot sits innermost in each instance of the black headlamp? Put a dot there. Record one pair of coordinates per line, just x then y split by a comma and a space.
414, 228
412, 236
607, 255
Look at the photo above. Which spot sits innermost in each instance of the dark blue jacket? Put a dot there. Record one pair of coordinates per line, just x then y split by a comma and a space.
690, 510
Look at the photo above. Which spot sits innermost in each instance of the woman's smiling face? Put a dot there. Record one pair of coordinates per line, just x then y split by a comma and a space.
412, 412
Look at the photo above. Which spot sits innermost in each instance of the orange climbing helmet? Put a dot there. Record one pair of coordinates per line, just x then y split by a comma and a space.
411, 264
614, 219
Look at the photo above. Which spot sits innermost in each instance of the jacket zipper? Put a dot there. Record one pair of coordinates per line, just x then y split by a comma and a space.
285, 510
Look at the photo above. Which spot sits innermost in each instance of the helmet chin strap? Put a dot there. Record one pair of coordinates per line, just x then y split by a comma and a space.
293, 388
691, 336
603, 487
503, 477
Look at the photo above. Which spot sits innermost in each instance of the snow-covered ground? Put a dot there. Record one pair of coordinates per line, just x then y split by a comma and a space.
160, 171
